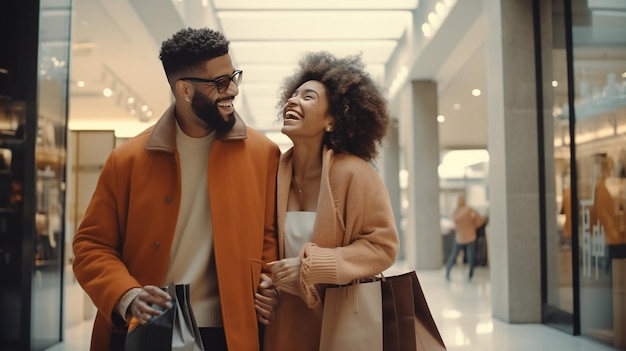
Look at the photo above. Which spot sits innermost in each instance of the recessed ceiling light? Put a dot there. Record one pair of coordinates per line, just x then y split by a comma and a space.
441, 118
433, 19
456, 106
427, 30
81, 83
555, 84
107, 92
476, 92
440, 8
130, 100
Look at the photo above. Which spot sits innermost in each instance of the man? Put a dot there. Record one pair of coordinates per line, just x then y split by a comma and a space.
189, 200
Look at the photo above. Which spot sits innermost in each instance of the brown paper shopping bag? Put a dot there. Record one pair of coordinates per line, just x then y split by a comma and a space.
407, 322
352, 318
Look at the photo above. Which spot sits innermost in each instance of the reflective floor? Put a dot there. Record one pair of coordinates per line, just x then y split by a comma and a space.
462, 311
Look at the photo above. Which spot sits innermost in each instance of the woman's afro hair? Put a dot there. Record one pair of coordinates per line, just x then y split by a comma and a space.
355, 101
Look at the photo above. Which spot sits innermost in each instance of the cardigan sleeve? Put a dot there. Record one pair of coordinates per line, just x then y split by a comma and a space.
367, 243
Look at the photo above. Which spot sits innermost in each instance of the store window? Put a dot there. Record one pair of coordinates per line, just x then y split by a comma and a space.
585, 260
559, 241
599, 65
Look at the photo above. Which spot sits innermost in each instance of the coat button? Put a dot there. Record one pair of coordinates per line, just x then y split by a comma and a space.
157, 244
168, 199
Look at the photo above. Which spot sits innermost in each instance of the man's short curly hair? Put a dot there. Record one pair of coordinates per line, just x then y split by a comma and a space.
189, 48
355, 101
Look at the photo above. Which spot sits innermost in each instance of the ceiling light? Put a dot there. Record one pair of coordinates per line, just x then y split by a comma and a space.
441, 118
130, 100
456, 106
427, 30
555, 84
624, 75
107, 92
80, 83
433, 19
476, 92
144, 108
440, 8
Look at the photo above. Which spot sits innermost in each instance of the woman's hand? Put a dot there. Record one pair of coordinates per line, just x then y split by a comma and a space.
286, 271
141, 307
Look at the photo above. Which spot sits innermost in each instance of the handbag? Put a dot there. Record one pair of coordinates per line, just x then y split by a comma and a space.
174, 329
408, 324
352, 318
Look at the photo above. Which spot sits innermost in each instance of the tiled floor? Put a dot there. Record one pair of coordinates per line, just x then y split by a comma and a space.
462, 311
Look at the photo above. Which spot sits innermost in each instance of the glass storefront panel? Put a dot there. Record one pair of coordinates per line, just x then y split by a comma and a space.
599, 65
558, 304
48, 245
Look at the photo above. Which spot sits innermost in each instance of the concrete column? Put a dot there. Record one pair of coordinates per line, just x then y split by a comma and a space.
423, 192
391, 162
514, 241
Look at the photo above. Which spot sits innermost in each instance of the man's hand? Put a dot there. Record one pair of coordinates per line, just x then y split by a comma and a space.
141, 307
266, 300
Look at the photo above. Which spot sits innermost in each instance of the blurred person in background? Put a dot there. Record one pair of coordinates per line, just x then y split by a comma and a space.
466, 222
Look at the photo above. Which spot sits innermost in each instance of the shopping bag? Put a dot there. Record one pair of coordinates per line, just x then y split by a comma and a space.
407, 322
175, 329
352, 318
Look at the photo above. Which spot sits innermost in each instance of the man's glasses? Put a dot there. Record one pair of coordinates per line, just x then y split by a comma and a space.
220, 83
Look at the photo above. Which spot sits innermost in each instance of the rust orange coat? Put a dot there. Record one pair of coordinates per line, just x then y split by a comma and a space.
125, 237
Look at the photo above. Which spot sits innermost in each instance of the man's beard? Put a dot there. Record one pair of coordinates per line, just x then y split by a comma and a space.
209, 113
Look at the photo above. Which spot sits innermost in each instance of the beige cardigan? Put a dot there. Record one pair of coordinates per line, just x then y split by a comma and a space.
354, 236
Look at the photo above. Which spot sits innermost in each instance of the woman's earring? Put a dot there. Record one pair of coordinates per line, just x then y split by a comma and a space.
329, 129
187, 98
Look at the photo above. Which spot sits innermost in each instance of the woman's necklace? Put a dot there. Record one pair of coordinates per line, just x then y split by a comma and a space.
295, 177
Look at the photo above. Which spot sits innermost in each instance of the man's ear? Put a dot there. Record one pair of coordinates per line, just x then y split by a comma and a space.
183, 89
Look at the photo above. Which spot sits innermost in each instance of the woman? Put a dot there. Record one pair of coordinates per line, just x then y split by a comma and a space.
466, 221
335, 222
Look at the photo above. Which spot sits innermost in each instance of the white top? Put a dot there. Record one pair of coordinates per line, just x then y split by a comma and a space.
298, 231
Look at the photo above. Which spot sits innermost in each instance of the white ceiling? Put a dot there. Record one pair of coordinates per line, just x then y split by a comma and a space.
116, 45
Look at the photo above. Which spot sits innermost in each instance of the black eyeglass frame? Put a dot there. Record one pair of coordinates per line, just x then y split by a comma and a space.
222, 83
